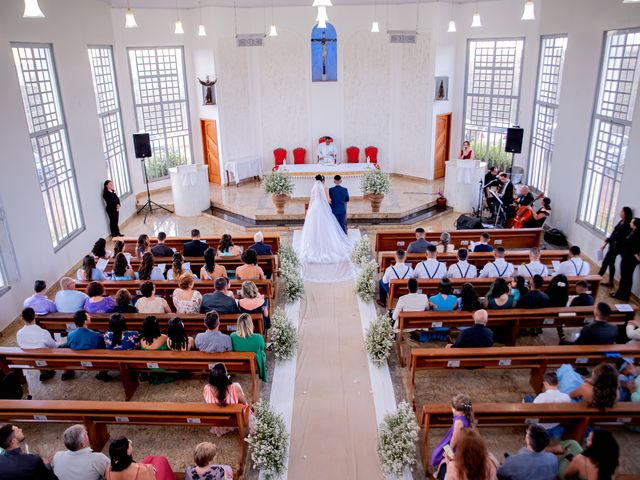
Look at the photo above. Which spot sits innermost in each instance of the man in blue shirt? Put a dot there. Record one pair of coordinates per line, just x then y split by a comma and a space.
82, 338
39, 301
68, 299
532, 462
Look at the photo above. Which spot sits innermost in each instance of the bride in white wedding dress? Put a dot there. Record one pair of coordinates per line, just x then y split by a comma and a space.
324, 248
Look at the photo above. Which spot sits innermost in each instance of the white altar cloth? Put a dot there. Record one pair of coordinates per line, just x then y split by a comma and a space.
462, 183
190, 189
303, 176
245, 167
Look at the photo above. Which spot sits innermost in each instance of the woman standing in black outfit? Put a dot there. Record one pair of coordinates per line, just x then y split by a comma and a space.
620, 232
630, 252
112, 206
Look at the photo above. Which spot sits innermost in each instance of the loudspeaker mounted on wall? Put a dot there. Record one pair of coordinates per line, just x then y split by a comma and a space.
514, 140
142, 145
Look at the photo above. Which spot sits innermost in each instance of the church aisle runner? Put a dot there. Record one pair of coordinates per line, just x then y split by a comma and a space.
333, 431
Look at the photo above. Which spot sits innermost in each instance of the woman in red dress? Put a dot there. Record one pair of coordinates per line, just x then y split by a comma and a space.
466, 153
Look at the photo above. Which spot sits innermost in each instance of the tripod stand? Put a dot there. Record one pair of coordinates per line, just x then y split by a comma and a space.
148, 206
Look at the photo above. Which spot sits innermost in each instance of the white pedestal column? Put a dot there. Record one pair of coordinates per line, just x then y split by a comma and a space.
190, 189
462, 183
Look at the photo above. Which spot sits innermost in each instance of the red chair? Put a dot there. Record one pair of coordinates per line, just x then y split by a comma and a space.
352, 154
280, 154
322, 139
371, 153
298, 155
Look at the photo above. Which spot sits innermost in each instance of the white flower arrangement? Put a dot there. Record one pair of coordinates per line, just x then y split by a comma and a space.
277, 183
287, 255
397, 437
376, 182
269, 441
366, 282
361, 252
379, 340
290, 273
283, 335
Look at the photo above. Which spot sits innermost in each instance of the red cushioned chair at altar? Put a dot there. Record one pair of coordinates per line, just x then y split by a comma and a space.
280, 155
352, 154
298, 155
371, 153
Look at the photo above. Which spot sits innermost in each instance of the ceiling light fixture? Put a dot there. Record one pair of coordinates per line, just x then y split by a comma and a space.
202, 32
476, 20
130, 19
273, 31
32, 9
322, 3
529, 13
179, 30
452, 23
375, 27
322, 18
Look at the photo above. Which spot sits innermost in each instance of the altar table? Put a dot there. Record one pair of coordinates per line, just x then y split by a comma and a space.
241, 168
303, 176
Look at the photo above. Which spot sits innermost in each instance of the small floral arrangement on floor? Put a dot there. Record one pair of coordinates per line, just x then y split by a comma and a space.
361, 252
283, 335
287, 255
269, 441
376, 182
290, 273
397, 437
277, 182
366, 282
379, 340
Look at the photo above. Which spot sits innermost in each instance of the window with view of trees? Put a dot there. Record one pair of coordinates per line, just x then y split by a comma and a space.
161, 104
492, 96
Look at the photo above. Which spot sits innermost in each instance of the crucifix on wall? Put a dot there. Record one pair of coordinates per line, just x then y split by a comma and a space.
324, 64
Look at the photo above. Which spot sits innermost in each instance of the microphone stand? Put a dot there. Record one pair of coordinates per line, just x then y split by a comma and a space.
148, 206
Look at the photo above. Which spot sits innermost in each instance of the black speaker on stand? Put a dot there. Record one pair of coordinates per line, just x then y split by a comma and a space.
142, 147
515, 135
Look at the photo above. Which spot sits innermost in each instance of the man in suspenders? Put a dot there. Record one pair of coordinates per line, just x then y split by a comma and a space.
431, 267
398, 270
575, 266
462, 269
499, 267
534, 267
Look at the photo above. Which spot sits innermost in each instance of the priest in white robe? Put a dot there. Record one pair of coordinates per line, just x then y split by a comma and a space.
327, 152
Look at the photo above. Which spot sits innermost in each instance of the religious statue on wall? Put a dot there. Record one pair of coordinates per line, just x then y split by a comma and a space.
442, 88
208, 92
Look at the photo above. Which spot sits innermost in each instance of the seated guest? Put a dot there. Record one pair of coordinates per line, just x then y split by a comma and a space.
151, 338
149, 303
123, 302
551, 394
519, 287
33, 336
411, 302
463, 418
211, 270
142, 246
39, 301
220, 390
598, 332
212, 340
531, 462
483, 246
178, 268
244, 340
627, 378
420, 244
599, 391
500, 297
633, 334
558, 291
177, 338
97, 302
575, 266
444, 300
499, 267
79, 461
431, 267
535, 297
205, 467
226, 247
148, 269
16, 465
99, 249
118, 337
259, 246
252, 301
598, 460
478, 336
469, 299
185, 298
583, 297
160, 249
121, 269
83, 338
122, 466
250, 270
472, 460
196, 247
399, 270
220, 300
88, 272
118, 247
444, 245
534, 267
462, 268
68, 299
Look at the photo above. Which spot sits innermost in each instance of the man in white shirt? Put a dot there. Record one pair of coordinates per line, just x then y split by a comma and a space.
327, 152
552, 394
411, 302
33, 336
462, 269
431, 267
575, 266
398, 270
499, 267
534, 267
79, 461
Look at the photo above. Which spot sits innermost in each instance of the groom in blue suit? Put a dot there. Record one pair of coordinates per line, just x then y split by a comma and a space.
339, 198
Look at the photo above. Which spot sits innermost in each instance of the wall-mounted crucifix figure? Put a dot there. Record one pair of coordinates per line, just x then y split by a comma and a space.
324, 54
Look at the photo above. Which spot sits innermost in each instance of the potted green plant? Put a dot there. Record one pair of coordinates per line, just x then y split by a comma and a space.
279, 186
375, 184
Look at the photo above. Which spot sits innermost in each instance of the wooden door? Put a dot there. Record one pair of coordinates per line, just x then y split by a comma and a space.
210, 147
442, 144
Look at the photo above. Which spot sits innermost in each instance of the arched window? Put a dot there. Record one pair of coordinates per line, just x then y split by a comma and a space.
324, 54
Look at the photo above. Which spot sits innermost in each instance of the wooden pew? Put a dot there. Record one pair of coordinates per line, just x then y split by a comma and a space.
97, 415
517, 257
514, 319
398, 287
575, 417
244, 241
129, 362
193, 323
506, 237
538, 359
